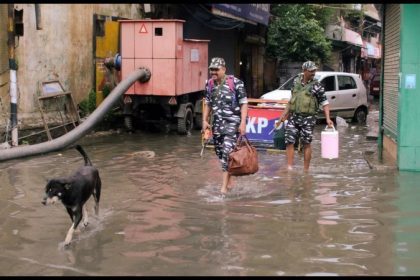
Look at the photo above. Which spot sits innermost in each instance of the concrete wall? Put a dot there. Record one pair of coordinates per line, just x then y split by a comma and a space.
62, 50
4, 64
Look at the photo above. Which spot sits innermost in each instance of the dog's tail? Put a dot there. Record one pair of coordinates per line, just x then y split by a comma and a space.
85, 157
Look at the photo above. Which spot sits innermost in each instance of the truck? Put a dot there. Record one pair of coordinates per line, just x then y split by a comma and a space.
178, 67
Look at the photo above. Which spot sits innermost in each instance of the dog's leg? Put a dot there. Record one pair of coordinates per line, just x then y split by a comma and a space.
97, 194
69, 235
76, 217
85, 216
70, 213
70, 232
96, 208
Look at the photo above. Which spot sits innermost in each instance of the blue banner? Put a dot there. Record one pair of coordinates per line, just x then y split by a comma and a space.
254, 12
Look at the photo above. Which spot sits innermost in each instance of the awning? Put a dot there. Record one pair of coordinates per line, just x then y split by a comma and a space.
370, 51
352, 37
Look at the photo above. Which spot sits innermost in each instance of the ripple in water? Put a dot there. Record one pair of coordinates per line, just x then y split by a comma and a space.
242, 188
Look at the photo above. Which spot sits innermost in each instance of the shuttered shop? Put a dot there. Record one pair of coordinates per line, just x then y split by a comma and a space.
391, 69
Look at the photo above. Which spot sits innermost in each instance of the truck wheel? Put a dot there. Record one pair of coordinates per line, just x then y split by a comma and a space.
186, 123
128, 123
198, 120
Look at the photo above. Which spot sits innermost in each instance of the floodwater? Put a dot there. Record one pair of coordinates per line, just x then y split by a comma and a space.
161, 213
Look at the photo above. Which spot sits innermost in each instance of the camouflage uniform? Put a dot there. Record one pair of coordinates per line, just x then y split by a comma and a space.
226, 112
304, 124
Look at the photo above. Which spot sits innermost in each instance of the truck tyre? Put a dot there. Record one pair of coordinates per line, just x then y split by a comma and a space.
128, 123
198, 120
186, 123
198, 114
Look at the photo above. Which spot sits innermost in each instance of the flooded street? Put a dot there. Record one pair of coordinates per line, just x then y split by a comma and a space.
161, 214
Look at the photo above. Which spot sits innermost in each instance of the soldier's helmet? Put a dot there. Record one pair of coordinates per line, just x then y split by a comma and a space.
217, 62
309, 65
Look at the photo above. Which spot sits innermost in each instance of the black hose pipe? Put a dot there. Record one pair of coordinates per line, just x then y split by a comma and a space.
142, 75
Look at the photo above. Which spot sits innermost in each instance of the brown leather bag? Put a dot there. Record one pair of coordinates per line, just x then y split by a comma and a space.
243, 160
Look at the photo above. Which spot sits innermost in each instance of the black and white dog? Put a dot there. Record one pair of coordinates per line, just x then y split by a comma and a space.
74, 191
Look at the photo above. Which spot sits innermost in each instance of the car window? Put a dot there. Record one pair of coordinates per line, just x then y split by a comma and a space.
288, 84
328, 83
346, 82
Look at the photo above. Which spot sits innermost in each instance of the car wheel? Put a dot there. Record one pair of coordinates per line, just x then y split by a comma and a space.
360, 115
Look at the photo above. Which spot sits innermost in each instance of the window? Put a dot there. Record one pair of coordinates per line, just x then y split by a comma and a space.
99, 27
328, 83
346, 82
289, 83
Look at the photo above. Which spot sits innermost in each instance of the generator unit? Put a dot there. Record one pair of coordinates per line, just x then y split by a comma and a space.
178, 69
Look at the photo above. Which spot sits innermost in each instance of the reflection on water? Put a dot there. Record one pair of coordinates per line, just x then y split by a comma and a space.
161, 213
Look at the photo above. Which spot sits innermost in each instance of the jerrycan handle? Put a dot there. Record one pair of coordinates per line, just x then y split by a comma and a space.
329, 129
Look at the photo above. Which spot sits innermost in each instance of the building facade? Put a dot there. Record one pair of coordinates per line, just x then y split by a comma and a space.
355, 35
356, 42
236, 32
62, 49
75, 39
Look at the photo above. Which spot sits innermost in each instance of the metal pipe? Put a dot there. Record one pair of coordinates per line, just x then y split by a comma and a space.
142, 75
38, 17
13, 107
13, 68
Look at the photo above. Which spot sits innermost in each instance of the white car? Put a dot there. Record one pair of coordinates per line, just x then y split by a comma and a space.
345, 92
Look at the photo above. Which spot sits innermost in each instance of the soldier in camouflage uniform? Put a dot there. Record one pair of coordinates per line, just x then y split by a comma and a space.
227, 102
301, 111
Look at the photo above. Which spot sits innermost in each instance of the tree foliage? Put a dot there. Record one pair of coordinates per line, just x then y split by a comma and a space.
296, 33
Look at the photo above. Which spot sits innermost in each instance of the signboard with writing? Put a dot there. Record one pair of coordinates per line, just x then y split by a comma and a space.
260, 123
259, 13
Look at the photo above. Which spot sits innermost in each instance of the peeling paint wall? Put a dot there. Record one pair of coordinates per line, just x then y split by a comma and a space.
4, 65
62, 50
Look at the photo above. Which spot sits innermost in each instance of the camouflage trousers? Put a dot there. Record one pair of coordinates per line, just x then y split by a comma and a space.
299, 126
223, 145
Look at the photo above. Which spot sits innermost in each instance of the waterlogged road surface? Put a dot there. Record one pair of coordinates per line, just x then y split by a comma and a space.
161, 213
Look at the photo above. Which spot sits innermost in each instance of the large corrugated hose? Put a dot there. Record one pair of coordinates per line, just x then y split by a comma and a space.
142, 75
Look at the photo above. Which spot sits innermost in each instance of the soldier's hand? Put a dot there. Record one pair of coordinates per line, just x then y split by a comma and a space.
205, 125
207, 134
330, 123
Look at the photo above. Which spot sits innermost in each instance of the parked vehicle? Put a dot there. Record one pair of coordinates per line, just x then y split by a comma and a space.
178, 66
346, 94
374, 88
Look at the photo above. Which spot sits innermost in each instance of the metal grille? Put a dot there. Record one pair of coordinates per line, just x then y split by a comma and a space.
391, 70
4, 56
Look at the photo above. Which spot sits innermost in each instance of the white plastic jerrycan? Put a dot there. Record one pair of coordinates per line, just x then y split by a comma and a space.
329, 143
